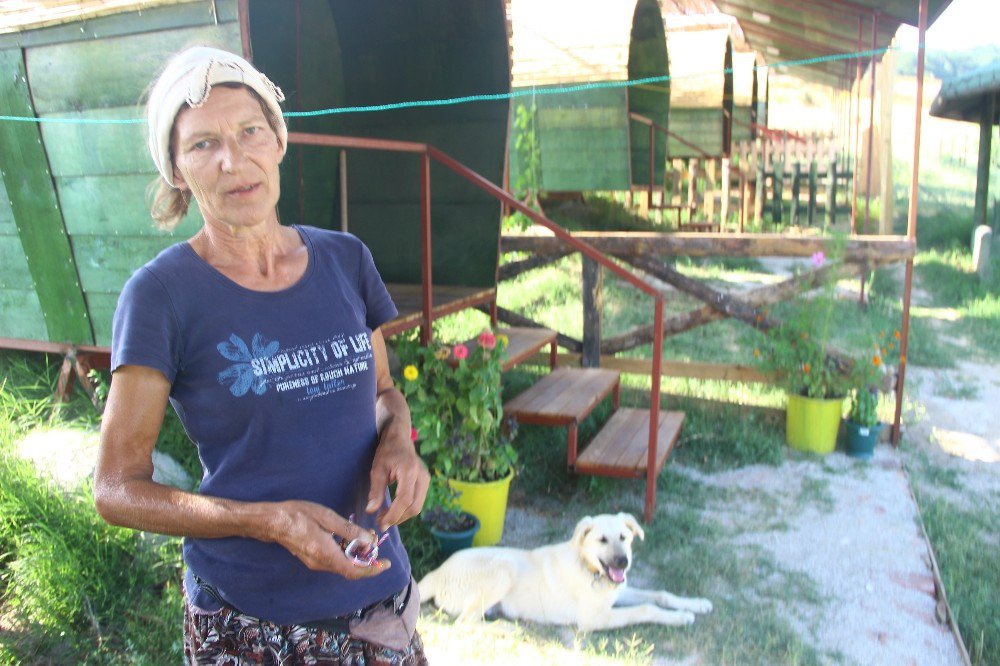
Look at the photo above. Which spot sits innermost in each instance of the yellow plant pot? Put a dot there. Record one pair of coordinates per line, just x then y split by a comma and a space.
812, 423
487, 501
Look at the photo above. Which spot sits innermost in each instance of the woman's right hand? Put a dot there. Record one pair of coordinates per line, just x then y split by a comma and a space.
307, 530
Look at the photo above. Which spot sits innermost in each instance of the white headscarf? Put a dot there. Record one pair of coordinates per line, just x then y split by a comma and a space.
188, 79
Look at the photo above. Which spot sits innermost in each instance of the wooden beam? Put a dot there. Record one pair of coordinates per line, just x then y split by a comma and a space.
514, 319
644, 366
515, 268
706, 314
873, 249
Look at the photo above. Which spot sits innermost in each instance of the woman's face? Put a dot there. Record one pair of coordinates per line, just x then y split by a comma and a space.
227, 155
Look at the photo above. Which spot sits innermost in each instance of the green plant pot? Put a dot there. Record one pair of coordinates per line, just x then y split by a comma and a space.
860, 440
452, 542
486, 501
812, 423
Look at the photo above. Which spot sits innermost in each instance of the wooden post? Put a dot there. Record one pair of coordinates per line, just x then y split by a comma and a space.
887, 75
724, 208
710, 189
692, 187
758, 195
983, 170
831, 194
811, 204
779, 176
793, 218
592, 306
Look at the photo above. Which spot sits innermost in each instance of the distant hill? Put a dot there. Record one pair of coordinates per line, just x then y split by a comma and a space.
946, 64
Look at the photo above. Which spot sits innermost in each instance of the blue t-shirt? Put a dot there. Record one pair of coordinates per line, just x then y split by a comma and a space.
277, 390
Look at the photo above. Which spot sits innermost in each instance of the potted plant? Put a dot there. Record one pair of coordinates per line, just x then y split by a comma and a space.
815, 377
454, 394
862, 426
452, 527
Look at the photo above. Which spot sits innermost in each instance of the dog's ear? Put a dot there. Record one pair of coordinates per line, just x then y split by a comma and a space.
633, 524
582, 529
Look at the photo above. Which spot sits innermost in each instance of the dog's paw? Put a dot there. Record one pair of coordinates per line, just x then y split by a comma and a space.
701, 606
685, 617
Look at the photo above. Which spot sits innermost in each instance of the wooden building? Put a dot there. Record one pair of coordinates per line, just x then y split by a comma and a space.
744, 95
74, 223
701, 85
586, 138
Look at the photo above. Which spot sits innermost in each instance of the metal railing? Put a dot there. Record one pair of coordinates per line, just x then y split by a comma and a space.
426, 154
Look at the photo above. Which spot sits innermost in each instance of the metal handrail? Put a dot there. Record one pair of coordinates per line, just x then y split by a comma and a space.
427, 153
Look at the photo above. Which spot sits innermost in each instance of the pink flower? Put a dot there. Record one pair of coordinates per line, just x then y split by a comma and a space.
414, 434
487, 340
818, 259
460, 351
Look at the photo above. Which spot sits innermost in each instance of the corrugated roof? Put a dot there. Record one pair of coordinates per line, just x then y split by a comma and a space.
19, 15
790, 30
963, 97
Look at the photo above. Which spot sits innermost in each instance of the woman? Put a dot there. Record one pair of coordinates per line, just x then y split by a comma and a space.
265, 340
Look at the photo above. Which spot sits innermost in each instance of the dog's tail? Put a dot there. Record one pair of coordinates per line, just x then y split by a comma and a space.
428, 586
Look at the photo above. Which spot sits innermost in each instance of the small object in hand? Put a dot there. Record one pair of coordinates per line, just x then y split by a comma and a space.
362, 553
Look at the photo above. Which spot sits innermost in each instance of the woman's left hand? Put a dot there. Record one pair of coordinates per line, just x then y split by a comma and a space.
396, 460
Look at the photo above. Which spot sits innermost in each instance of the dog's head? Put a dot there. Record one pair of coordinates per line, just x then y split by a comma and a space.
604, 544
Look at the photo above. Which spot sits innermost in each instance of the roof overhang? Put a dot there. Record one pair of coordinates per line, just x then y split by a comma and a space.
964, 97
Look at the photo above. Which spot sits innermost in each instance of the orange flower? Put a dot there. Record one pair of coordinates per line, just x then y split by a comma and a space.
902, 359
805, 335
895, 334
805, 368
876, 361
756, 353
891, 346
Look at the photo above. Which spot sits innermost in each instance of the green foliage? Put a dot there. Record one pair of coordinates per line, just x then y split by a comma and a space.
69, 575
456, 407
527, 152
864, 407
970, 568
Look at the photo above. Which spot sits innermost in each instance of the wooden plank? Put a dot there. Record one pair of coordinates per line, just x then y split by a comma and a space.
36, 211
692, 370
102, 311
74, 76
179, 15
78, 149
563, 396
14, 273
587, 394
21, 315
522, 343
624, 450
447, 300
115, 205
610, 445
106, 262
874, 249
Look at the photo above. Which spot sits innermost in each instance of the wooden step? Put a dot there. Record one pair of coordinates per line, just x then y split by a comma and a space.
565, 396
621, 448
522, 344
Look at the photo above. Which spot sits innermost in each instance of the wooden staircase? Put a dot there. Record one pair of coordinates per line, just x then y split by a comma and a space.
566, 396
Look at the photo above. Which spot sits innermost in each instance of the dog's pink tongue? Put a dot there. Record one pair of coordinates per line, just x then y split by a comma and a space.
617, 575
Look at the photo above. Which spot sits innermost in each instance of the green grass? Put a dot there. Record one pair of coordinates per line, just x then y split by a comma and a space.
965, 543
81, 591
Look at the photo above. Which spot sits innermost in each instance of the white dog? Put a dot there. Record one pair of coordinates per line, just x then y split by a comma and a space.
578, 582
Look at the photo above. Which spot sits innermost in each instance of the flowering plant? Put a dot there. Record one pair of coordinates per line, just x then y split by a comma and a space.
869, 375
454, 396
796, 354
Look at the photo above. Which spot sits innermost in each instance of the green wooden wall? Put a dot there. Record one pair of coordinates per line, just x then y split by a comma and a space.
91, 179
436, 49
647, 57
583, 139
701, 127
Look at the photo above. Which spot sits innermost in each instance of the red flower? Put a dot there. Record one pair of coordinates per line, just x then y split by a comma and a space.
413, 434
487, 340
460, 351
